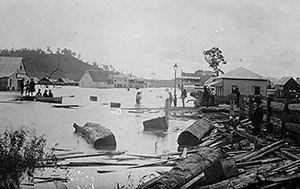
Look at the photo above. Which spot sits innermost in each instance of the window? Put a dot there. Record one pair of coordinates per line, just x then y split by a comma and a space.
20, 67
256, 90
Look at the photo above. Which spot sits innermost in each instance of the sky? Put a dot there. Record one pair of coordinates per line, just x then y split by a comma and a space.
147, 37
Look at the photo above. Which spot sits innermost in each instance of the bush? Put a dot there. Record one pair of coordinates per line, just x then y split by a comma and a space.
21, 150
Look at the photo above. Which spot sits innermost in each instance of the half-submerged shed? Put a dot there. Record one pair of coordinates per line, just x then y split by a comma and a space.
97, 135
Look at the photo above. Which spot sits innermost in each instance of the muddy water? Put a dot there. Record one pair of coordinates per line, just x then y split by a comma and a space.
56, 125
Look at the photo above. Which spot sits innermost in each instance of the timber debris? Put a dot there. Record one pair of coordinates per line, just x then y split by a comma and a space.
231, 157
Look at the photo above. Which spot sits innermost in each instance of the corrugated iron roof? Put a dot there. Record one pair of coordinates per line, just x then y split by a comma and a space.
98, 75
241, 73
9, 65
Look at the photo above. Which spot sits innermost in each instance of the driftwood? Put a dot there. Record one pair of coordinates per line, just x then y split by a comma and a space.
90, 155
268, 148
189, 168
193, 134
97, 135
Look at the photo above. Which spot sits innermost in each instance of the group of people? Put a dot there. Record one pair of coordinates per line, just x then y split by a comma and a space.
170, 98
182, 96
28, 87
45, 94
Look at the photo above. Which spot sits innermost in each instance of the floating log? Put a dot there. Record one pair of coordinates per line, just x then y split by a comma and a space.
159, 123
97, 135
187, 169
193, 134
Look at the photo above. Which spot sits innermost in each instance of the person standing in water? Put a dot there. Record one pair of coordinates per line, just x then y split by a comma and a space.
31, 87
183, 95
138, 100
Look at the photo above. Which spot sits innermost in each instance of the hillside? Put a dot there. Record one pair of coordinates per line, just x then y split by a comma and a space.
39, 64
69, 67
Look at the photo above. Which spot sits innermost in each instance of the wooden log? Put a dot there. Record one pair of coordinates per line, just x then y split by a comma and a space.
187, 169
193, 134
257, 162
291, 156
97, 135
264, 149
266, 152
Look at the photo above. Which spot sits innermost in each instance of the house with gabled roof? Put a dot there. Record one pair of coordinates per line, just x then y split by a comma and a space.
286, 85
96, 79
248, 82
121, 80
12, 71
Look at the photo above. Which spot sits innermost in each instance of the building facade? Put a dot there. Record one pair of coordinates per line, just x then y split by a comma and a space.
12, 71
248, 82
96, 79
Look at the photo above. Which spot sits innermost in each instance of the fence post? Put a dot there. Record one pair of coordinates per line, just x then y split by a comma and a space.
250, 107
167, 110
269, 126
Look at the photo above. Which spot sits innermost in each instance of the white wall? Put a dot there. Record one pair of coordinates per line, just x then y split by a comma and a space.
246, 87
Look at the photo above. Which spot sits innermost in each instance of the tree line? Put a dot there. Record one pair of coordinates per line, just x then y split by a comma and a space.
38, 55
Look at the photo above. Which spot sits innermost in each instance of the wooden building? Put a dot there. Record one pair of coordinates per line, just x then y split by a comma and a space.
12, 71
285, 86
193, 81
248, 82
96, 79
121, 81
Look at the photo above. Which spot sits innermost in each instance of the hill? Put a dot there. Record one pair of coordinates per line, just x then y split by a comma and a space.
66, 66
40, 64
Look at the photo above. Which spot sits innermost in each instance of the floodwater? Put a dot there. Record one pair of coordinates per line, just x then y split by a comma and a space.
57, 126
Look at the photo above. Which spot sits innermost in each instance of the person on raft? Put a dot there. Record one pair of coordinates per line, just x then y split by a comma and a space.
31, 87
38, 93
45, 93
50, 94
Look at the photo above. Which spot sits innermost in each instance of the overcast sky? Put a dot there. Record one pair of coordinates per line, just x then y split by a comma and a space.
149, 36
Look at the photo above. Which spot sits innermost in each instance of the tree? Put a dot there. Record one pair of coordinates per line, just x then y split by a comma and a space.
21, 150
215, 59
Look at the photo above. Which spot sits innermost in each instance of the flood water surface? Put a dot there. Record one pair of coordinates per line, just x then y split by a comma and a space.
127, 126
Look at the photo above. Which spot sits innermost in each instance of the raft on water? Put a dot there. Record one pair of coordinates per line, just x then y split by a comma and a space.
192, 135
97, 135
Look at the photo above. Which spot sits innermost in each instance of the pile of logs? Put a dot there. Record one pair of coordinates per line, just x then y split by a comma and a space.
232, 158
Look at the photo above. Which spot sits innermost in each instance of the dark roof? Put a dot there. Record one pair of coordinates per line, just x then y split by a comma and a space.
283, 81
98, 75
9, 65
241, 73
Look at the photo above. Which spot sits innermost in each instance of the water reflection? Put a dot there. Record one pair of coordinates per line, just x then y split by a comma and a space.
159, 134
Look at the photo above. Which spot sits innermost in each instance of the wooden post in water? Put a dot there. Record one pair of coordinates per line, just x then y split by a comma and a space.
167, 110
242, 108
250, 107
284, 116
231, 100
269, 126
